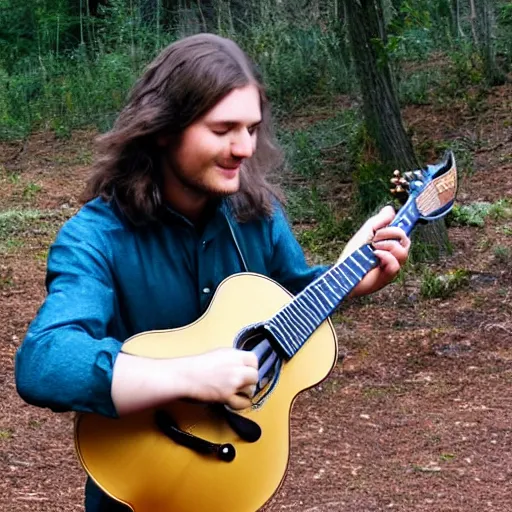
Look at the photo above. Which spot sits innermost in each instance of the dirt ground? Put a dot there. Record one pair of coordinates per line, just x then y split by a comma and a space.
418, 414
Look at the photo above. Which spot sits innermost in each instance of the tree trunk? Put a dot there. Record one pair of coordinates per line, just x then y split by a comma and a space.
458, 32
380, 102
381, 108
483, 27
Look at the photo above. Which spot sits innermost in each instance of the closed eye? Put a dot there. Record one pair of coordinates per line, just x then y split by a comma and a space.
225, 128
254, 128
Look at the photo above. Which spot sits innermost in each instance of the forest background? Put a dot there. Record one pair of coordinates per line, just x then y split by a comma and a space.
358, 88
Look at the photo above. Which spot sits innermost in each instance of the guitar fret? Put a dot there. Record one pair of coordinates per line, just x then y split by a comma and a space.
312, 318
292, 326
333, 282
326, 297
339, 281
326, 281
358, 264
279, 335
312, 305
335, 275
298, 317
326, 289
344, 276
352, 270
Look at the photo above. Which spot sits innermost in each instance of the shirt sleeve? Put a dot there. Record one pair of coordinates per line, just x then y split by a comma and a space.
66, 359
288, 265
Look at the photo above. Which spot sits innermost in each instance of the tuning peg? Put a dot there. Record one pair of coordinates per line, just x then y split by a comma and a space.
409, 176
419, 175
397, 190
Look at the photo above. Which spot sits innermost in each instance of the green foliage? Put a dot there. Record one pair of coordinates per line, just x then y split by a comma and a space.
470, 215
506, 230
63, 68
466, 68
307, 148
296, 62
504, 35
326, 236
423, 251
372, 182
416, 87
447, 457
311, 189
474, 214
435, 286
503, 254
31, 190
302, 153
75, 69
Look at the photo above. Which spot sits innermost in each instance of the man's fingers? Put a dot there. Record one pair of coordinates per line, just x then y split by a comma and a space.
248, 391
390, 233
383, 218
395, 248
238, 402
249, 359
388, 263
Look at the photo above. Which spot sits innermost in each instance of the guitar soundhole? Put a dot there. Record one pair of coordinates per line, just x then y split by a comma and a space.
256, 339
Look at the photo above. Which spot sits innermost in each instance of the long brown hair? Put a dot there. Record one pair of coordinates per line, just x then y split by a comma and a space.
183, 83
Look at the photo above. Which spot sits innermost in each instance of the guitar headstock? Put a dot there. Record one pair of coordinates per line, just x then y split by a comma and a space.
432, 189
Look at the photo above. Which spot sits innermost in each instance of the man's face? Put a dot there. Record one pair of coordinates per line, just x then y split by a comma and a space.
211, 150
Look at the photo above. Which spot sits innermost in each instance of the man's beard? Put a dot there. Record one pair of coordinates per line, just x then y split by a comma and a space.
202, 189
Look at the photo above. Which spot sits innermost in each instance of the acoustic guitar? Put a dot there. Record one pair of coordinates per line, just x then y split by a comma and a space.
193, 457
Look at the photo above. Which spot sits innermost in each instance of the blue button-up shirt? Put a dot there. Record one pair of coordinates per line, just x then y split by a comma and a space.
109, 279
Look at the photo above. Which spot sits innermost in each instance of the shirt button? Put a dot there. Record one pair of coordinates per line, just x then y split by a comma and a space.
206, 290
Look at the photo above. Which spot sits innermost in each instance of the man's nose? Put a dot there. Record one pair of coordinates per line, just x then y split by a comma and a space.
243, 144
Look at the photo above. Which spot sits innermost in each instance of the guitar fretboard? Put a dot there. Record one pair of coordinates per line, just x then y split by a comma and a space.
295, 323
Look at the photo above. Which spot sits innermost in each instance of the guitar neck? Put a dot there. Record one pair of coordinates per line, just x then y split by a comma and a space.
295, 323
292, 326
407, 217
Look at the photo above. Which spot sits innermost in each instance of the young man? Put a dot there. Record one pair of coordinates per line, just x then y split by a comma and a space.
178, 202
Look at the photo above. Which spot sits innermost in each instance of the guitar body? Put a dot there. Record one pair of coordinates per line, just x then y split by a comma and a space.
135, 463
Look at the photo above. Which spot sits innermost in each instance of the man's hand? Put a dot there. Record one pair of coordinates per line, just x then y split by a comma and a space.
391, 247
225, 375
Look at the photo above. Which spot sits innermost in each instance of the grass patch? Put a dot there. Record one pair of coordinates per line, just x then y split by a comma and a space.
503, 254
17, 224
315, 200
6, 434
31, 190
435, 286
447, 457
417, 87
